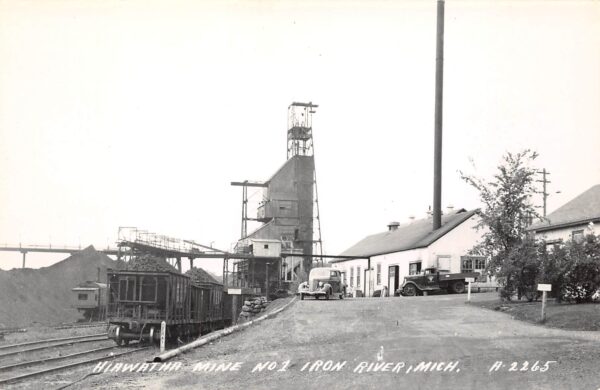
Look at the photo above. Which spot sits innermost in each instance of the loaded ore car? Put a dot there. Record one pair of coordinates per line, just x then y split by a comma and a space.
209, 302
151, 291
90, 299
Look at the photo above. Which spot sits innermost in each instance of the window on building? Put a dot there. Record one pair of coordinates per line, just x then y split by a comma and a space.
357, 277
480, 267
466, 264
266, 246
378, 273
352, 277
479, 263
552, 246
414, 268
443, 263
577, 236
474, 264
82, 297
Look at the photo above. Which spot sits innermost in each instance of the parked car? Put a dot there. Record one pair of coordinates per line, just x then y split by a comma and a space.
323, 282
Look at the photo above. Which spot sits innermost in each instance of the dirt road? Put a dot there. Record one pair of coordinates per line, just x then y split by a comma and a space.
435, 342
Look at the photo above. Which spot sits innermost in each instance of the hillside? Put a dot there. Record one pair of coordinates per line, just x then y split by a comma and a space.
29, 296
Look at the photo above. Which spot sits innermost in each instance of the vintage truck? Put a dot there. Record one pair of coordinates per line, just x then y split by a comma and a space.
433, 280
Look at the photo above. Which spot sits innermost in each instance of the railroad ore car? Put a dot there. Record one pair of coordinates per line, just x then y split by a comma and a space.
90, 299
150, 291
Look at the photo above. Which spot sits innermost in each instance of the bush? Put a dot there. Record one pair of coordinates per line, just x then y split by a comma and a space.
582, 282
573, 269
582, 278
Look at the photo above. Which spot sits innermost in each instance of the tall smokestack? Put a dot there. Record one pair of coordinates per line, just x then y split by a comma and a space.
439, 86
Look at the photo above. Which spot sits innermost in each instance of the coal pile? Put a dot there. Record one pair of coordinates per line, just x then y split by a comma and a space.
201, 277
252, 308
150, 264
43, 296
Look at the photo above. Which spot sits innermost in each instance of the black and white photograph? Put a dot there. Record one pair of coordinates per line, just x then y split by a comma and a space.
286, 194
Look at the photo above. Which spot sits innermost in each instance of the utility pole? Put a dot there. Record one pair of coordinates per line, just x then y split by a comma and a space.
439, 87
267, 280
544, 191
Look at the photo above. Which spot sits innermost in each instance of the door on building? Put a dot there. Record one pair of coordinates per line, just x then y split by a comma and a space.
393, 275
368, 283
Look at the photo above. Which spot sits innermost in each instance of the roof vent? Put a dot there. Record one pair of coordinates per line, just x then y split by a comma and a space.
393, 225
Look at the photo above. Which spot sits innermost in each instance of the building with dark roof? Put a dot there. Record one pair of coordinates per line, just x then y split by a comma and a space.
571, 220
407, 249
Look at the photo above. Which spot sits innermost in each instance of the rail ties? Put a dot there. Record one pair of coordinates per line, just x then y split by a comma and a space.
52, 340
46, 360
88, 339
4, 331
65, 366
77, 326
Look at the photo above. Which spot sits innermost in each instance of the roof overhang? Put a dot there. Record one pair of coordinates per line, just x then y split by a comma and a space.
563, 225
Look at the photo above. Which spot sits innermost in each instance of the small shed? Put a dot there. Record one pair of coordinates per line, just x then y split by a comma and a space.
261, 247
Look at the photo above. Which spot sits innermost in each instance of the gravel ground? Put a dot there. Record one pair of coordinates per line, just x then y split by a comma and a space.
470, 341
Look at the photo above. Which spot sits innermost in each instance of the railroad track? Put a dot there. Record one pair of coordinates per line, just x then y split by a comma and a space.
77, 326
54, 342
90, 356
12, 330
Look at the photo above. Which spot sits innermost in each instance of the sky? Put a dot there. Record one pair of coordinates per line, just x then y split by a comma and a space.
141, 113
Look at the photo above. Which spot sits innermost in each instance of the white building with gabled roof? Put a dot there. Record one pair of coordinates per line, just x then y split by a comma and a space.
571, 220
405, 250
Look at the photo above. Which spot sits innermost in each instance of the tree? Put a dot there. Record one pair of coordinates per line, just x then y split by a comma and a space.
555, 264
506, 214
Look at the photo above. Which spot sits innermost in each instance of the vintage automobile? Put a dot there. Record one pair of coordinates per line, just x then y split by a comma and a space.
433, 280
322, 282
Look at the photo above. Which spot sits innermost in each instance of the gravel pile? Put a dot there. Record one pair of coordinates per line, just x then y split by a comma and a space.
150, 264
201, 277
252, 308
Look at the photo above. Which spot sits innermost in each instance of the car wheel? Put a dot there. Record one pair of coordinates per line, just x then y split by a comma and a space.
341, 296
317, 296
327, 295
301, 297
410, 290
458, 287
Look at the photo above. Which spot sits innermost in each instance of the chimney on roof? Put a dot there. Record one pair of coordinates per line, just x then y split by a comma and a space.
429, 213
412, 218
450, 208
393, 226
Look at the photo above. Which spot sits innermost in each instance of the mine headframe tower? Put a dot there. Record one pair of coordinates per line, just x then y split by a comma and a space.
299, 134
300, 143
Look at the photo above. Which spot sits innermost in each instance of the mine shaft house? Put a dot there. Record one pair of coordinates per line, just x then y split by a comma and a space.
405, 250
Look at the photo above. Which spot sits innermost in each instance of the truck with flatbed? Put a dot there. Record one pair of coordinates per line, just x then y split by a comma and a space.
434, 280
